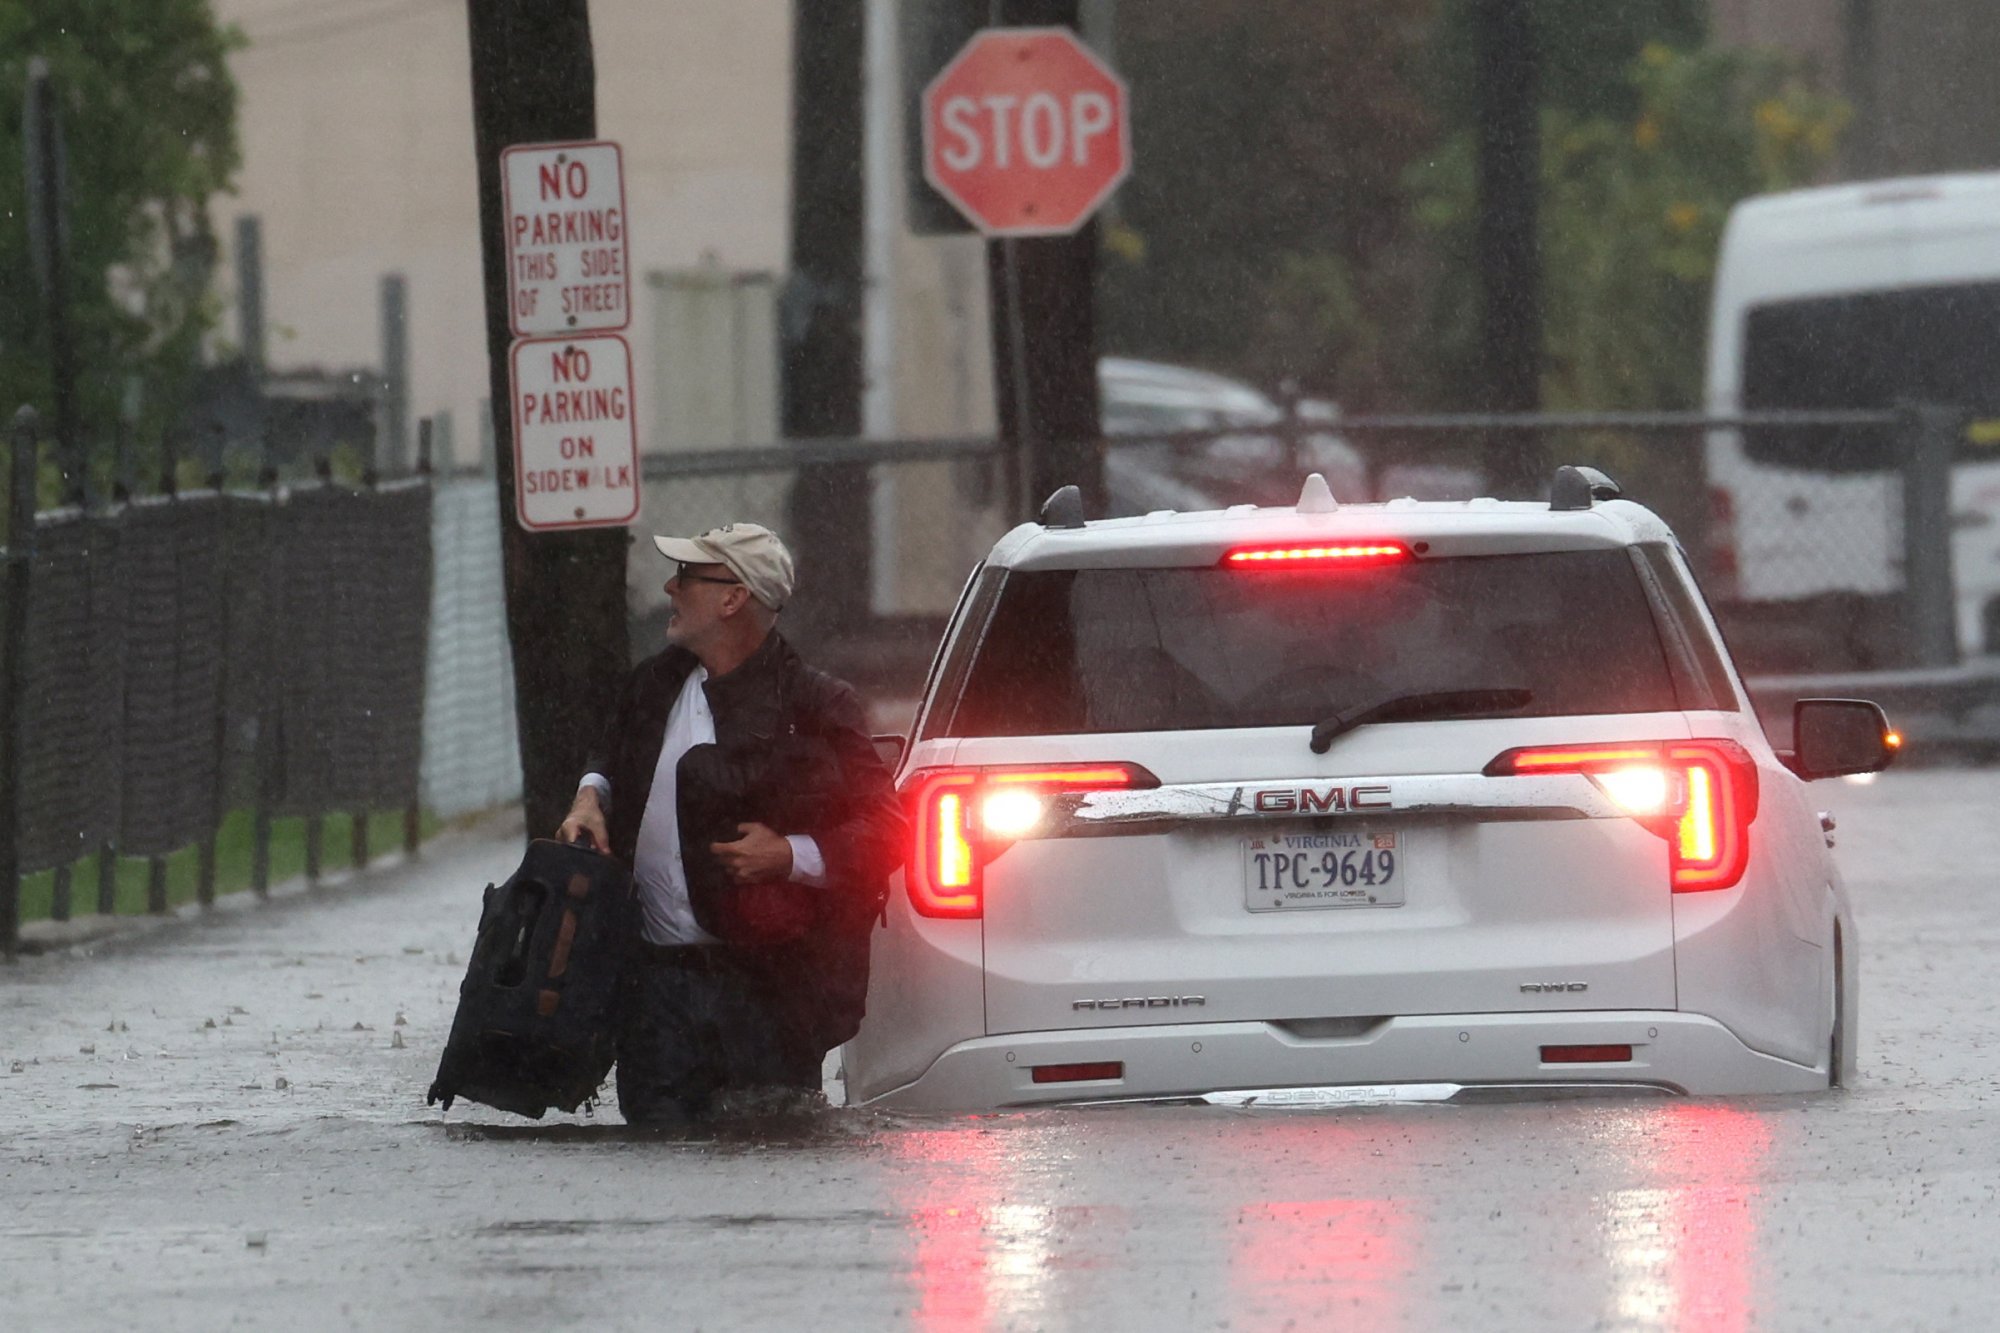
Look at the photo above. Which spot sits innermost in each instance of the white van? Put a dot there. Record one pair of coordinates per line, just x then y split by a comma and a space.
1862, 296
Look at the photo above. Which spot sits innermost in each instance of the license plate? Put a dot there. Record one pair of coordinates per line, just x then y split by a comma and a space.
1288, 871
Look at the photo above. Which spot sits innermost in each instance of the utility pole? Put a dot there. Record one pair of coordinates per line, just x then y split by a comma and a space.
821, 341
1860, 62
1509, 241
1045, 333
534, 81
48, 232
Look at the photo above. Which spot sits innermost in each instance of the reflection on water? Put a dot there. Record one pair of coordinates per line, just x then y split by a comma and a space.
1680, 1252
981, 1255
1310, 1262
960, 1177
1345, 1219
1334, 1243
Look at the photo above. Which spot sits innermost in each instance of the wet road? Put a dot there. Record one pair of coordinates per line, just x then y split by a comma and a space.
217, 1125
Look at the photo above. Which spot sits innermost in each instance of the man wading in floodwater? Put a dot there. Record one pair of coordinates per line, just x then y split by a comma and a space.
740, 785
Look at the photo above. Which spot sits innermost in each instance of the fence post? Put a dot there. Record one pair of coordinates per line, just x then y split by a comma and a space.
76, 491
371, 479
170, 487
1291, 430
315, 828
266, 762
358, 857
22, 443
204, 888
413, 814
121, 493
1930, 603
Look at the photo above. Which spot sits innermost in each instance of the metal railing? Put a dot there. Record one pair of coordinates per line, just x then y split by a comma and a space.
169, 658
1809, 570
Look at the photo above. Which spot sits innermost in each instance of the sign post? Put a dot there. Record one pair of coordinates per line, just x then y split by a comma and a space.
569, 289
1025, 131
569, 262
576, 450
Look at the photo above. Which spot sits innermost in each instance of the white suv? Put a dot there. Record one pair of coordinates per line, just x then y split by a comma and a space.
1330, 803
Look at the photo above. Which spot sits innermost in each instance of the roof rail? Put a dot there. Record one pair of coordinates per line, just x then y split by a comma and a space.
1578, 487
1064, 509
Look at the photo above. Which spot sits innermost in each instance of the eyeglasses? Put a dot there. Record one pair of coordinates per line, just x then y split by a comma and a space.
681, 575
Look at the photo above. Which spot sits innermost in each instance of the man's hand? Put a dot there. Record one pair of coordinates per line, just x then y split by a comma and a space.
586, 819
758, 856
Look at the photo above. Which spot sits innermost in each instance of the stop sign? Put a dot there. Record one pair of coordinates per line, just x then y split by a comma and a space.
1025, 132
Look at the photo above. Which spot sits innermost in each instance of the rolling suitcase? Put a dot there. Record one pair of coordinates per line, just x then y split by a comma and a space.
535, 1014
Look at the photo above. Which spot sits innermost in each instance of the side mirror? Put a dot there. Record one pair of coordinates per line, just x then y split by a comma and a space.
1835, 737
890, 746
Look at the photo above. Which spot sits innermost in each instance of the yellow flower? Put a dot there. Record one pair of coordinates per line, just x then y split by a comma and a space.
1646, 134
1684, 218
1126, 243
1657, 55
1776, 119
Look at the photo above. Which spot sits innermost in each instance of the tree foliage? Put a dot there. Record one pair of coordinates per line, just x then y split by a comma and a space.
1265, 228
1302, 200
1635, 197
149, 117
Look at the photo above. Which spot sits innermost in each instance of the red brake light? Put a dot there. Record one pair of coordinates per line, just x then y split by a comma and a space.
943, 874
965, 817
1096, 1071
1586, 1055
1708, 846
1574, 759
1711, 845
1307, 556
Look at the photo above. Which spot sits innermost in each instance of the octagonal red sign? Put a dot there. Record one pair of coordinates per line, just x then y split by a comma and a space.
1025, 131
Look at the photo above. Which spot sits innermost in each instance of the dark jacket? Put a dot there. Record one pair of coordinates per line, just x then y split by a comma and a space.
791, 751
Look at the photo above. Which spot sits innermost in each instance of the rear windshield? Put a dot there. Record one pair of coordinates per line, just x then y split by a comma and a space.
1103, 650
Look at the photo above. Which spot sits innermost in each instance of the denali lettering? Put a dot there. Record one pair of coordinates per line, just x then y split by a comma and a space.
1323, 800
1144, 1002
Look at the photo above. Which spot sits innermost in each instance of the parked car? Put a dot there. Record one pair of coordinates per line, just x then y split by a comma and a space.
1250, 453
1325, 801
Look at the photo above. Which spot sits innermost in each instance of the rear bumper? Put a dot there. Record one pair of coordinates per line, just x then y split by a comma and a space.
1683, 1053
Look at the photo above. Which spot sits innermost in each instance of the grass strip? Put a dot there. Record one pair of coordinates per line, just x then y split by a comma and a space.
234, 849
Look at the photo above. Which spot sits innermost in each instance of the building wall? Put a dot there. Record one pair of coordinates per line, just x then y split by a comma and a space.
358, 159
1809, 28
1918, 73
1928, 82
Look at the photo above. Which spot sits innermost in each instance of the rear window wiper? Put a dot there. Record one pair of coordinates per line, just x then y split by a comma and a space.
1416, 707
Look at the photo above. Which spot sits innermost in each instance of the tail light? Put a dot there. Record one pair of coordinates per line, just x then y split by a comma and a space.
1311, 556
964, 817
1701, 796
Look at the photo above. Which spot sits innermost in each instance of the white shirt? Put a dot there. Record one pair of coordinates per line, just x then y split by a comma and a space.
666, 915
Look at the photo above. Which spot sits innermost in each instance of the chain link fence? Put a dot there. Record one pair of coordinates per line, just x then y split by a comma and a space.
1817, 576
169, 658
471, 745
305, 648
1808, 569
885, 534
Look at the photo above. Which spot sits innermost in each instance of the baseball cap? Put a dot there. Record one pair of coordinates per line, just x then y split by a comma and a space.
751, 552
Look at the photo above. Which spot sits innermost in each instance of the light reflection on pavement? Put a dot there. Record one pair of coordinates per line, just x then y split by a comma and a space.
279, 1167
